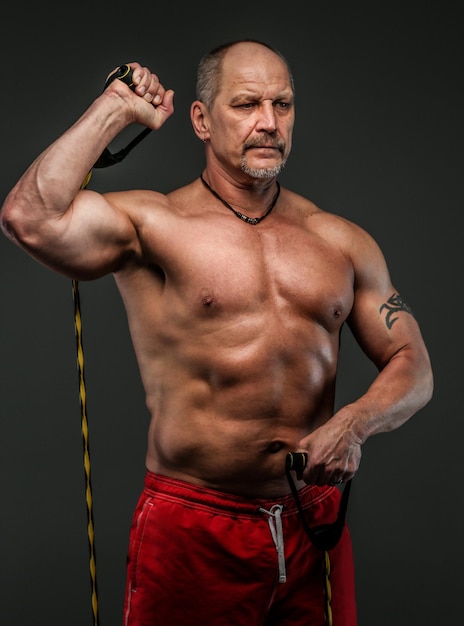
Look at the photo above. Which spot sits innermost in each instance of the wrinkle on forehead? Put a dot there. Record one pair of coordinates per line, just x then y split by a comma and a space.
251, 64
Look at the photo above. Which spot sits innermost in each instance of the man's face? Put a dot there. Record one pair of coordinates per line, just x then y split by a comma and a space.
251, 120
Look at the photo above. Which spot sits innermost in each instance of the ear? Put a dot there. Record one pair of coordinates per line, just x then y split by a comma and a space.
199, 119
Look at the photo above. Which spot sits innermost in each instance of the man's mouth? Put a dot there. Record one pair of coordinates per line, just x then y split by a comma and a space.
265, 147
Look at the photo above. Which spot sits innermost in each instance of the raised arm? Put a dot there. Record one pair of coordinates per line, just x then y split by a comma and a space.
78, 232
387, 331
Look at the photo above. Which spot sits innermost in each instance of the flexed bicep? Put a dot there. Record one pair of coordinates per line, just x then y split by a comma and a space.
90, 240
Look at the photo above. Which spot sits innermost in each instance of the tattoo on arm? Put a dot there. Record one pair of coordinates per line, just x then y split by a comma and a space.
394, 304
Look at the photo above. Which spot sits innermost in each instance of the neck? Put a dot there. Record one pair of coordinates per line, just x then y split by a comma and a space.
245, 218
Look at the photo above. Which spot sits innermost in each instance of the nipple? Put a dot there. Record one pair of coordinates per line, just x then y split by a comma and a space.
207, 301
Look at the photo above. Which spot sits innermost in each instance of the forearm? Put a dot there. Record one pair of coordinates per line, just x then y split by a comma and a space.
47, 189
401, 389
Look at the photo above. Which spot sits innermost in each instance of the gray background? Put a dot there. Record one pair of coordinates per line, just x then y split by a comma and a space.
378, 139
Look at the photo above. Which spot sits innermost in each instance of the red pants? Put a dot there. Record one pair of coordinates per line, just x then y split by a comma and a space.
200, 557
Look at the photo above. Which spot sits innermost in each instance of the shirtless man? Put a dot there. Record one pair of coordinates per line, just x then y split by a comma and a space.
236, 326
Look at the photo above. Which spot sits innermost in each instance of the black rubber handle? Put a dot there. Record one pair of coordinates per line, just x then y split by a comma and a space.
296, 461
124, 73
107, 158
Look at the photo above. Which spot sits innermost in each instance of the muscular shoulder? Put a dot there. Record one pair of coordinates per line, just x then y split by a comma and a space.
332, 227
144, 204
157, 221
140, 204
343, 236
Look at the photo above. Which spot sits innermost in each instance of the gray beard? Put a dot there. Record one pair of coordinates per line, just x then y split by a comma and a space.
262, 173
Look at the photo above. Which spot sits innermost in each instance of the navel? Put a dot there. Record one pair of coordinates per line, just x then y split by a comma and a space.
275, 446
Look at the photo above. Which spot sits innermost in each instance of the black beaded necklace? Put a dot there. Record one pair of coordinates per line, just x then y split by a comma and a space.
249, 220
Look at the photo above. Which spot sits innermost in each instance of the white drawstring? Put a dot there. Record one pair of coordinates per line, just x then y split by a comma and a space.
277, 535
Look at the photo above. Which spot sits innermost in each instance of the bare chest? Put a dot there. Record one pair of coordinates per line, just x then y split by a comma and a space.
286, 271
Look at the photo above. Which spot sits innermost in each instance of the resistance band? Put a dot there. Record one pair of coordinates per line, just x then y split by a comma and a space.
106, 159
324, 536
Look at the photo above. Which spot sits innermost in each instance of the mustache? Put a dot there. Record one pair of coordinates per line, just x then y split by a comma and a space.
265, 142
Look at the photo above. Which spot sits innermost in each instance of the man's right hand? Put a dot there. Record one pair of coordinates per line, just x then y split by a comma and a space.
151, 104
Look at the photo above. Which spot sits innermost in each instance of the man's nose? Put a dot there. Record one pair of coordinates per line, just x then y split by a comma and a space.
267, 118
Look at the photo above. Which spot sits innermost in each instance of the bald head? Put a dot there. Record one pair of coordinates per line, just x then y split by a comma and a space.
239, 56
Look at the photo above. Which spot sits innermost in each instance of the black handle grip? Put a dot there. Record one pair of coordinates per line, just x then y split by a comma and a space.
124, 73
296, 461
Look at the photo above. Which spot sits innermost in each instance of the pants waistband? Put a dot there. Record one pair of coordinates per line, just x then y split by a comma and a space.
175, 489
